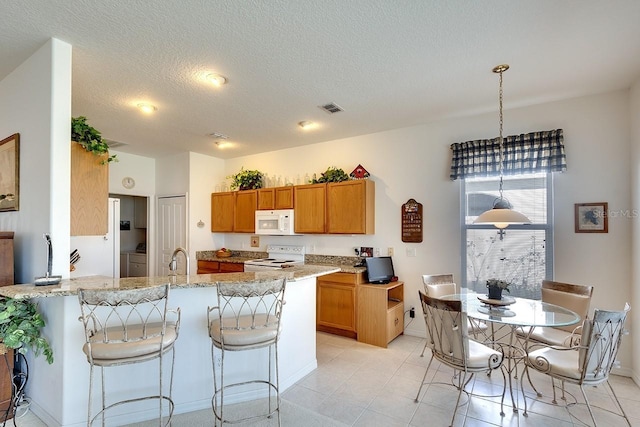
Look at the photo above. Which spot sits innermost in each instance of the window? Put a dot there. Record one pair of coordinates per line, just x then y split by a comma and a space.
521, 254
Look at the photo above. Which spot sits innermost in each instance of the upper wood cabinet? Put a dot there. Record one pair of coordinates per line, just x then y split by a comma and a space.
351, 207
6, 258
223, 208
310, 202
245, 214
275, 198
89, 193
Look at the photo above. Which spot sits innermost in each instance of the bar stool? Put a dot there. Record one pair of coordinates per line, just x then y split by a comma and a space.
247, 317
124, 327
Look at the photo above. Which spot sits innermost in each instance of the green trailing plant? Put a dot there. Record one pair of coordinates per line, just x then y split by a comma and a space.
246, 180
332, 174
21, 325
90, 138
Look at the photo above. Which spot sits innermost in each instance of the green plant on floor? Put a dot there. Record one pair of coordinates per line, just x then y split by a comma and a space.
21, 325
90, 138
246, 180
332, 174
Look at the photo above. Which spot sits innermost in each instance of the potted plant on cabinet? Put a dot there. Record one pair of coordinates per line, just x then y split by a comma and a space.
21, 325
332, 174
246, 180
90, 139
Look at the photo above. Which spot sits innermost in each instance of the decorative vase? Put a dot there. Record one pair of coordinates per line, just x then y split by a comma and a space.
495, 292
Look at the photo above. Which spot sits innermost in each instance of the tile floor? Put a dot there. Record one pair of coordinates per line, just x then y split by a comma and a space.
362, 385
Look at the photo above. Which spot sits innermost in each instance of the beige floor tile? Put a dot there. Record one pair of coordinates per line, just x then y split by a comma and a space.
341, 409
432, 415
374, 419
397, 407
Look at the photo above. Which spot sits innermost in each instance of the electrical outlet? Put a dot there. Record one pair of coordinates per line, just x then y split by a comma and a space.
390, 251
411, 252
255, 241
376, 251
412, 312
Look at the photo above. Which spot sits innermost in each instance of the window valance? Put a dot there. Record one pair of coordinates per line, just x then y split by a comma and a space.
525, 153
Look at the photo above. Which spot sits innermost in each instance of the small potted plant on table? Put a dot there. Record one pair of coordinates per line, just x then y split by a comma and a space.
495, 288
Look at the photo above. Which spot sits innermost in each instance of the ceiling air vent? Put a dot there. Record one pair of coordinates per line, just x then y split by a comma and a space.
113, 144
331, 108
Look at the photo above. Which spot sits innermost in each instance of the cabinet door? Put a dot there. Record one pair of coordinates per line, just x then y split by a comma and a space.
336, 304
350, 207
395, 321
310, 208
137, 269
89, 193
266, 199
208, 267
222, 211
231, 267
245, 216
284, 197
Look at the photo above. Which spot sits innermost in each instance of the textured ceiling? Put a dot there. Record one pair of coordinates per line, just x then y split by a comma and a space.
388, 63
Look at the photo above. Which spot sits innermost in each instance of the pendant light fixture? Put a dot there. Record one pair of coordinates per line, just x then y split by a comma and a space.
501, 215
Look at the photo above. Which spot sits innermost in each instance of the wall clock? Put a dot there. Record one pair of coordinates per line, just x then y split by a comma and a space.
128, 182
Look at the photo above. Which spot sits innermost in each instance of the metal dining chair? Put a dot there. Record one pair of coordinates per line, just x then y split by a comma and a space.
450, 344
588, 363
124, 327
439, 285
247, 317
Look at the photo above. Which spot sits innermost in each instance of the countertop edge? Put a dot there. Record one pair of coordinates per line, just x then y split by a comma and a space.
69, 287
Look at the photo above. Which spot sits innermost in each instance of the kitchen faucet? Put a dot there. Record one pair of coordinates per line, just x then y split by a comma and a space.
173, 265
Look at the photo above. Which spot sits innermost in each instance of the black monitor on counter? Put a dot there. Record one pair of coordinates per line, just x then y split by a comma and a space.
379, 269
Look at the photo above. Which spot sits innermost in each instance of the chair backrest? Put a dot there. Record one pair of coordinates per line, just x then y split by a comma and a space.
123, 315
246, 306
576, 298
446, 329
601, 339
438, 285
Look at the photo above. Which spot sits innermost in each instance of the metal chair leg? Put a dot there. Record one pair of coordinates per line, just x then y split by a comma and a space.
624, 414
424, 377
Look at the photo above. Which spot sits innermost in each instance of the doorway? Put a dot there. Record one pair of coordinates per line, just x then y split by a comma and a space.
134, 214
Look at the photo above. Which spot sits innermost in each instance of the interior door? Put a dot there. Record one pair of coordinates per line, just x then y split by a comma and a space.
172, 232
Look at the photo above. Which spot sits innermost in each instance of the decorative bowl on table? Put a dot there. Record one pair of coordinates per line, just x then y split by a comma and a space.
223, 253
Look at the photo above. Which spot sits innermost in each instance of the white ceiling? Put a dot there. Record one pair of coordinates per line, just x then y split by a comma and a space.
388, 63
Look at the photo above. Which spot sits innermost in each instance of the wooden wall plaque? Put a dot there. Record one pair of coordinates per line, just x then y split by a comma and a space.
412, 222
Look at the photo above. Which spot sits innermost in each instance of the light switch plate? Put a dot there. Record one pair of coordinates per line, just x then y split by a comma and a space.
255, 241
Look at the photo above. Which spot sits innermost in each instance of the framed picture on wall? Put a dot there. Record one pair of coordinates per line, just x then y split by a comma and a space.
591, 217
10, 173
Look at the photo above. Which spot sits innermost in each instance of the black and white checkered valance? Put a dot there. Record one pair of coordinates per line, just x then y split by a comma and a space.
525, 153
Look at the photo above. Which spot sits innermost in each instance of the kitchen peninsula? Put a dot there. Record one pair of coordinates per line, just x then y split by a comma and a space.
58, 392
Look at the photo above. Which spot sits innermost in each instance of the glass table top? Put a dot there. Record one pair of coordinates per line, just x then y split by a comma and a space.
522, 312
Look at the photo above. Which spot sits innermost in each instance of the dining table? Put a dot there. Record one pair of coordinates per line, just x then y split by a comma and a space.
512, 313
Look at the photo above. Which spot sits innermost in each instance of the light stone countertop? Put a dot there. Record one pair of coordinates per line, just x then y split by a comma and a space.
70, 286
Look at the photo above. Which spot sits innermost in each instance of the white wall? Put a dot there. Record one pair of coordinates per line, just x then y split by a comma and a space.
35, 101
635, 253
205, 173
414, 163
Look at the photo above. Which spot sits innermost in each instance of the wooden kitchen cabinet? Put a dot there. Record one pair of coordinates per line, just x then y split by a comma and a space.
380, 313
310, 203
245, 211
351, 207
140, 212
336, 303
89, 193
275, 198
211, 267
223, 208
6, 258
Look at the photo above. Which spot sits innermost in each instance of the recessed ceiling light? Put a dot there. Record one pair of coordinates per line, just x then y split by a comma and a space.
222, 144
216, 79
306, 125
147, 108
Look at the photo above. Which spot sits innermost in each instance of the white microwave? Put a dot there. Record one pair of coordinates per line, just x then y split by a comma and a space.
275, 223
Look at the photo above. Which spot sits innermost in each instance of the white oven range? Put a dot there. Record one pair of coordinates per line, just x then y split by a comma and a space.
278, 256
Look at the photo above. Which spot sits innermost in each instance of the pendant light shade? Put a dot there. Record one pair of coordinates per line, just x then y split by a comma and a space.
501, 215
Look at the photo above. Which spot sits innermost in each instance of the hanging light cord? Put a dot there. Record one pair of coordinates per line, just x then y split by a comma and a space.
501, 69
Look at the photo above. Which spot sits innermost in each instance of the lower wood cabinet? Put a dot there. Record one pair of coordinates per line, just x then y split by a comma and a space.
380, 313
336, 303
211, 267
